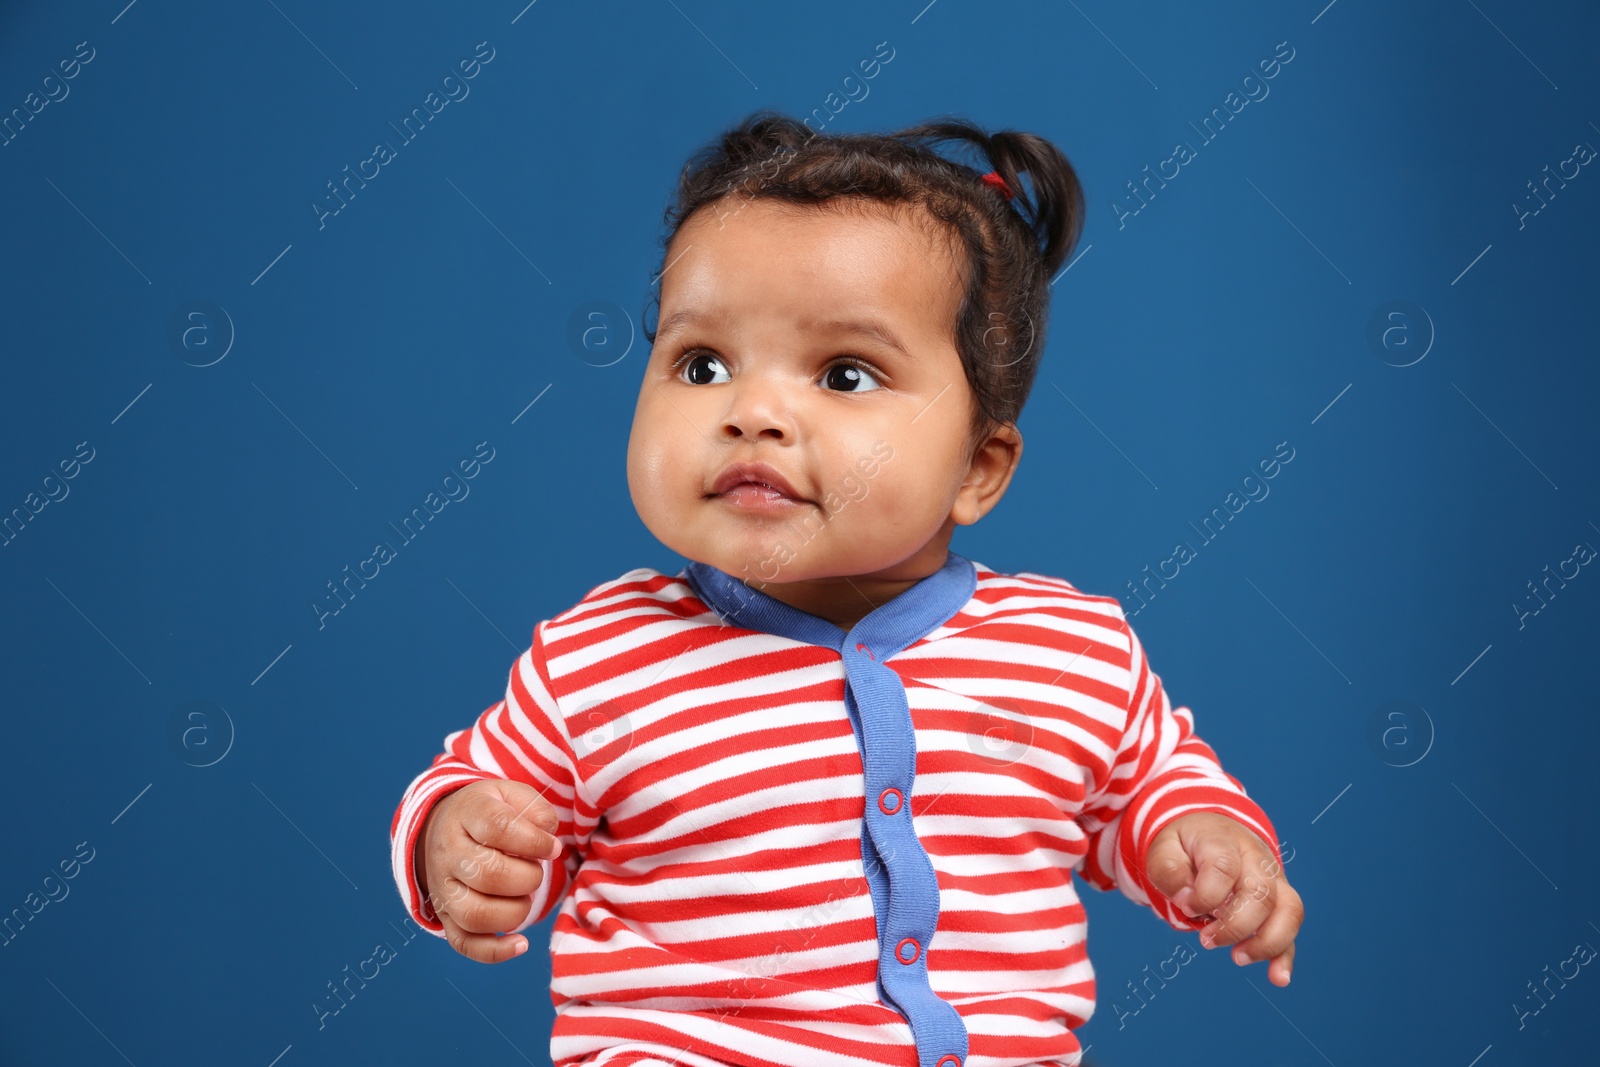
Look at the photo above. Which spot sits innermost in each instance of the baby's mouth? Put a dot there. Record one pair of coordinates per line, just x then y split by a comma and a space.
754, 483
748, 494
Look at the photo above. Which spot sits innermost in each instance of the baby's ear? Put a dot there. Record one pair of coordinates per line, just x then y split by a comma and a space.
994, 461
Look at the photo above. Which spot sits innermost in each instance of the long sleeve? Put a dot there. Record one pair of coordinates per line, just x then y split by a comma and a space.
523, 738
1161, 770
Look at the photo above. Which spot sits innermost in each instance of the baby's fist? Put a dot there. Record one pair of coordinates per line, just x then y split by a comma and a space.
1210, 865
477, 863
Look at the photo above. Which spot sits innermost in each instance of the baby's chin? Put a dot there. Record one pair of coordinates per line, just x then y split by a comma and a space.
775, 566
799, 545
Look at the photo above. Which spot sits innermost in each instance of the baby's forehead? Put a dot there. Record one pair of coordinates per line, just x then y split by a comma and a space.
780, 217
900, 243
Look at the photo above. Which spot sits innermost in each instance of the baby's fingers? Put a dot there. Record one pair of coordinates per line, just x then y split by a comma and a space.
1218, 867
509, 821
1275, 939
1242, 914
1281, 967
481, 913
485, 948
491, 871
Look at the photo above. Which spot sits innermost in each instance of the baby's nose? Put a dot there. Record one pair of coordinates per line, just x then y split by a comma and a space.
758, 407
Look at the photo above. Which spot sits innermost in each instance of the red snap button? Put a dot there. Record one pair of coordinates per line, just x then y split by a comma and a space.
863, 648
948, 1061
889, 801
907, 943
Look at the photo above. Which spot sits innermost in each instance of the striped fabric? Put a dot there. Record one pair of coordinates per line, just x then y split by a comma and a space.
739, 882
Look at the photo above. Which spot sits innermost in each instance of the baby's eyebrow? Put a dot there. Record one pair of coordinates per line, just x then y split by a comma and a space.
688, 316
869, 328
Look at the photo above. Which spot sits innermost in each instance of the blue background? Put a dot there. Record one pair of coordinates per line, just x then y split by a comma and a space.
1442, 855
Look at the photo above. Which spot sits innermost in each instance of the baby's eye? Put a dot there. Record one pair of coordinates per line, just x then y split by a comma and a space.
851, 377
693, 365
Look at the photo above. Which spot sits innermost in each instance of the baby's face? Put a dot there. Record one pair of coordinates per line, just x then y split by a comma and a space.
762, 304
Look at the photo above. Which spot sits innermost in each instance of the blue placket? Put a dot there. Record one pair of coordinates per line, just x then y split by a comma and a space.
905, 889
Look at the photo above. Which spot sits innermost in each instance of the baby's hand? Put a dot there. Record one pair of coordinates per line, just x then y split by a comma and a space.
479, 843
1209, 864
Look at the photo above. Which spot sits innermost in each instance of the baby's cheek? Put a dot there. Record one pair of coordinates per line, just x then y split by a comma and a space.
649, 478
637, 483
904, 506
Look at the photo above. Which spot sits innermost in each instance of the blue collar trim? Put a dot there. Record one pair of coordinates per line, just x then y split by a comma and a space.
888, 629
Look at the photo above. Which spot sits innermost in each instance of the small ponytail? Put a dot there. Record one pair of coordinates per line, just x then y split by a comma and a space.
1053, 209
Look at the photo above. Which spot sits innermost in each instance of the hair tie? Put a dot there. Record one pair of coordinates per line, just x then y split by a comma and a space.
993, 178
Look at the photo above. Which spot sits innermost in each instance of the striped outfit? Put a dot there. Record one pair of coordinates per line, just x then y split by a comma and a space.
788, 844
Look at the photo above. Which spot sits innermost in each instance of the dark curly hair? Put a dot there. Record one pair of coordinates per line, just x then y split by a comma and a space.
1013, 246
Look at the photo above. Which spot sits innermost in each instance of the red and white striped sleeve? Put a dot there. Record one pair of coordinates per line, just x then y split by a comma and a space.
1161, 770
523, 737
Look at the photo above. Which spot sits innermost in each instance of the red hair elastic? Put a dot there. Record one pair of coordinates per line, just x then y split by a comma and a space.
994, 179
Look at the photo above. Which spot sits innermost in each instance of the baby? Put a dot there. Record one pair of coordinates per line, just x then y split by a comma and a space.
817, 798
